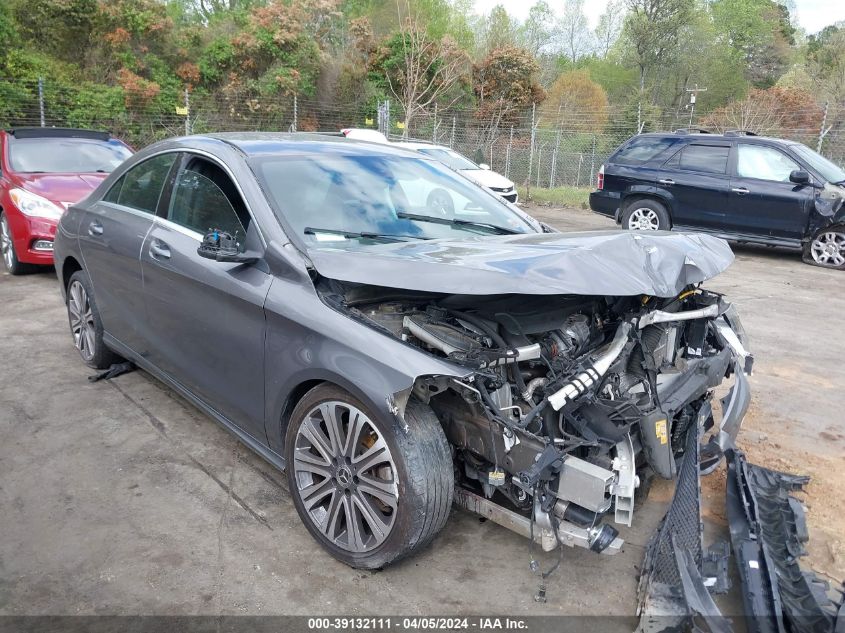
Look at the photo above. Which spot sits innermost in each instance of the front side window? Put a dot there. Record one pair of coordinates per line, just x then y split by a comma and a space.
204, 198
711, 159
765, 163
828, 170
330, 200
66, 155
140, 187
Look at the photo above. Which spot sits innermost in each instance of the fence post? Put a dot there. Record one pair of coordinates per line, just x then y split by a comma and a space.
822, 131
434, 129
593, 157
295, 113
578, 177
553, 170
539, 160
452, 137
41, 99
531, 152
508, 155
187, 112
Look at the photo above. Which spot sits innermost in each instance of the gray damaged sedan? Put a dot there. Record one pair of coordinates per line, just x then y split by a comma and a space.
394, 358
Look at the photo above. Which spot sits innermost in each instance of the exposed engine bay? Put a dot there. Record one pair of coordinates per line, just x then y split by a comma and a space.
570, 404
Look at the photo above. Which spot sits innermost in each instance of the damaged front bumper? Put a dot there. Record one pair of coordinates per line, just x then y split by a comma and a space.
768, 531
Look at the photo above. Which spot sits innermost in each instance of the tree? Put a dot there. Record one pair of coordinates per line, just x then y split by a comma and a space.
419, 70
499, 29
537, 30
760, 32
609, 27
505, 84
774, 111
574, 31
575, 102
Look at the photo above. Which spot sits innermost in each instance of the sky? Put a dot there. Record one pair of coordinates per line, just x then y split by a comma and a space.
812, 15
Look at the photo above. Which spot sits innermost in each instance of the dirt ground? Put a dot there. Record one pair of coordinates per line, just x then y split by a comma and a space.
118, 497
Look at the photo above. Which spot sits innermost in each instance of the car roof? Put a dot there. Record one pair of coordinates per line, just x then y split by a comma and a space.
417, 145
58, 132
708, 136
266, 143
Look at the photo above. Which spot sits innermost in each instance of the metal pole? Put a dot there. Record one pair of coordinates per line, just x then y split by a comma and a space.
187, 112
822, 131
387, 118
578, 177
539, 160
295, 112
508, 156
593, 157
531, 151
41, 99
434, 130
452, 137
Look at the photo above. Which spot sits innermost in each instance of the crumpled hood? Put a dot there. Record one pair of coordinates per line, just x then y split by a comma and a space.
487, 178
592, 263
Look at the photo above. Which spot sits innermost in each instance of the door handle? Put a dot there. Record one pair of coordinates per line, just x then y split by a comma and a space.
159, 249
95, 228
666, 181
740, 190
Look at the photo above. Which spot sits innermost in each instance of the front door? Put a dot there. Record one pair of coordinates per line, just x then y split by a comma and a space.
207, 317
763, 200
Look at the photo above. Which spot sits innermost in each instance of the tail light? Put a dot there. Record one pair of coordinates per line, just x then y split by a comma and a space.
600, 178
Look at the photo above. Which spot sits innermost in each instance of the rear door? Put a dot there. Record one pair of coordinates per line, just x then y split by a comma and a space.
697, 178
207, 317
763, 201
110, 237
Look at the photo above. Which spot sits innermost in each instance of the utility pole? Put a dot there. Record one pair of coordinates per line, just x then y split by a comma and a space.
693, 92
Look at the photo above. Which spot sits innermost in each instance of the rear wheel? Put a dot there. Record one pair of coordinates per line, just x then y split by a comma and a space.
7, 248
369, 491
85, 324
827, 248
646, 215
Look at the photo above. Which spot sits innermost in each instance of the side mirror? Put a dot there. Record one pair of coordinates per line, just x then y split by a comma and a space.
224, 247
799, 177
484, 166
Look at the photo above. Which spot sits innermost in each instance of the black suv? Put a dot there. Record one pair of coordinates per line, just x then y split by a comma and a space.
735, 185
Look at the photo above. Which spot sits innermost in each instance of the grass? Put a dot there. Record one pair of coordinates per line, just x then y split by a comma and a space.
558, 197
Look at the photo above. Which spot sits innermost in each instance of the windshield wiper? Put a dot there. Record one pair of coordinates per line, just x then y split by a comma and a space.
387, 237
499, 230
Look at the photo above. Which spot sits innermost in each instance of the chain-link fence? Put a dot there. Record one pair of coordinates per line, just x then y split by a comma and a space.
531, 148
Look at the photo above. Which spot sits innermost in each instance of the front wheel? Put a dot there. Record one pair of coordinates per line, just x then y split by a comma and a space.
646, 215
368, 490
7, 248
827, 248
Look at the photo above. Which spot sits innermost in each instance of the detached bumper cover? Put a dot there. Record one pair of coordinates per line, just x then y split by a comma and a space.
768, 532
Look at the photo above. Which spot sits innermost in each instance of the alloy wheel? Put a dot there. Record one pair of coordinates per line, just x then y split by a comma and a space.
6, 243
81, 320
644, 219
345, 476
828, 248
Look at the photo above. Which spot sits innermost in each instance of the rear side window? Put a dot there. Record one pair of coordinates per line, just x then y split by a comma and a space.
711, 159
141, 186
643, 149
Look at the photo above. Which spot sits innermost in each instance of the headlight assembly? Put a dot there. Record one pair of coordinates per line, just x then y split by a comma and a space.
35, 206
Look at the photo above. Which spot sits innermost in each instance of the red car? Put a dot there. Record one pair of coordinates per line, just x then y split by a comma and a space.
42, 172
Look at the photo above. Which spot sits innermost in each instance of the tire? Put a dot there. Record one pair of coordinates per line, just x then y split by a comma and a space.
646, 214
7, 250
827, 248
440, 203
415, 477
85, 324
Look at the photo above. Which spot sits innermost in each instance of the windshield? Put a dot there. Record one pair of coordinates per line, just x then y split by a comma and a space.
351, 201
831, 172
449, 158
66, 155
